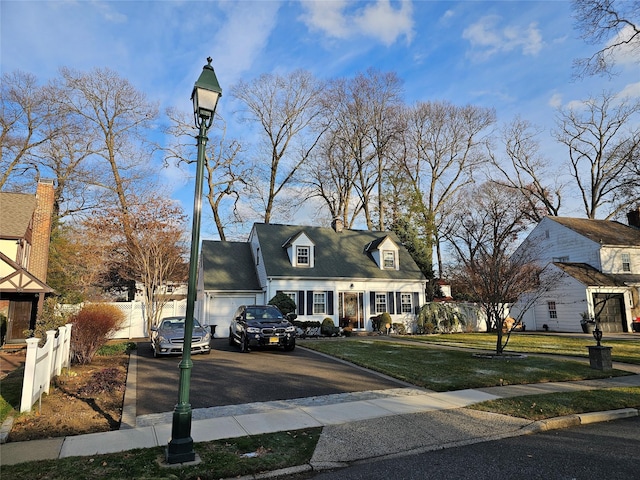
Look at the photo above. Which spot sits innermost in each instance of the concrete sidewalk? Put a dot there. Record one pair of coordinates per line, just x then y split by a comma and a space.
357, 425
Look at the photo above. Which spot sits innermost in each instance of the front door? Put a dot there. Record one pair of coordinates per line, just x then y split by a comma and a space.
351, 309
610, 309
20, 313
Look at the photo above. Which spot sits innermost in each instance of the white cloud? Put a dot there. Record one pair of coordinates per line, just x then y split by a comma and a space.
631, 90
382, 21
626, 53
556, 100
379, 20
108, 13
244, 35
488, 38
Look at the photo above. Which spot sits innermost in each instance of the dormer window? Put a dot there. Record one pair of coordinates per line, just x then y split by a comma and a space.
389, 257
384, 251
302, 256
300, 250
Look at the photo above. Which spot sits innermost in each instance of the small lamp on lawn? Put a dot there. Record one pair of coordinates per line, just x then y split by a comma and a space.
205, 96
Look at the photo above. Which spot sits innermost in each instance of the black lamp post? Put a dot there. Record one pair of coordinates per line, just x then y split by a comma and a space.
205, 96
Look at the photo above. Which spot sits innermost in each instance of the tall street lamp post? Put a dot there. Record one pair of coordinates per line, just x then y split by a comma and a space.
205, 96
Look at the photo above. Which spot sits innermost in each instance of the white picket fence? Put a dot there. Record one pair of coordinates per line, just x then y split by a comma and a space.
44, 363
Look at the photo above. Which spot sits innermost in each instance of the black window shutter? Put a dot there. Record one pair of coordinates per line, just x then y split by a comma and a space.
390, 308
372, 302
398, 302
416, 299
329, 302
300, 302
309, 302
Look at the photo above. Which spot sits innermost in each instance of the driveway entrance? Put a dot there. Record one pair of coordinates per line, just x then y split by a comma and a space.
228, 377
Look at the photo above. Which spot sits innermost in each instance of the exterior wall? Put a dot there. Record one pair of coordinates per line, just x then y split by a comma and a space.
555, 242
611, 259
258, 260
335, 286
10, 249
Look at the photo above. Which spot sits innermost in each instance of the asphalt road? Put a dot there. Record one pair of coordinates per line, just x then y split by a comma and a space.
599, 451
228, 377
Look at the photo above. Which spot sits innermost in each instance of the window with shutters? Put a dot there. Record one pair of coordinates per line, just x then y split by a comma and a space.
319, 302
406, 303
381, 302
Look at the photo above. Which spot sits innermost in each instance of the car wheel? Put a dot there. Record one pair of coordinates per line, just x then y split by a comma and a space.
290, 347
231, 339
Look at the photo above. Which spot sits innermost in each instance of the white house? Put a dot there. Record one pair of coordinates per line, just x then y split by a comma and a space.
599, 263
346, 275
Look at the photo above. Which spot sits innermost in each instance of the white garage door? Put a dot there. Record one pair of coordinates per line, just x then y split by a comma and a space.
222, 308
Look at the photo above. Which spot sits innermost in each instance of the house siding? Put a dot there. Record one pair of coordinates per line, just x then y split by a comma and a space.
555, 242
333, 287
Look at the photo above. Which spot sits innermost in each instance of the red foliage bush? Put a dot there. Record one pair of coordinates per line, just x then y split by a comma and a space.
91, 329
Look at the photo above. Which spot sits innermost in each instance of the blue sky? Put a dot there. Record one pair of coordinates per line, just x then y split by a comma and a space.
514, 56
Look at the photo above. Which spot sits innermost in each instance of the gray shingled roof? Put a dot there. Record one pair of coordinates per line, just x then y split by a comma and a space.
605, 232
16, 210
337, 255
589, 276
228, 266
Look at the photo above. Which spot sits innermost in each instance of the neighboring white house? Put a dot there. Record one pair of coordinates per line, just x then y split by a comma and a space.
346, 275
599, 262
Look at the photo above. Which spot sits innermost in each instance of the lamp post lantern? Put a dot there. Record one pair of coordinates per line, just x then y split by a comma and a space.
205, 96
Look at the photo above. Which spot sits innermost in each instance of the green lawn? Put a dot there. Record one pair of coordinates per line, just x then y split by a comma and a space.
435, 368
627, 351
452, 369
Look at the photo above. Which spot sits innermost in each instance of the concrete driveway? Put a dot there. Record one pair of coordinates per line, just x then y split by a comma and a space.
228, 377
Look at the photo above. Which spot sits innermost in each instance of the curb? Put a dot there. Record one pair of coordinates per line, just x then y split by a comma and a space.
579, 419
535, 427
5, 429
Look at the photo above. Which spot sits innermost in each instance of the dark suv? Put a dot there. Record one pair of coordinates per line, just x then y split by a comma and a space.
261, 326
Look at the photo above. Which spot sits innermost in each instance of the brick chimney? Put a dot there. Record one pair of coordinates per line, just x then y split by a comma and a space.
41, 233
337, 225
633, 217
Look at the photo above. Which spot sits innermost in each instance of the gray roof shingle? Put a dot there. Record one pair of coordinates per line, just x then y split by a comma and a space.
16, 211
589, 276
228, 266
605, 232
337, 255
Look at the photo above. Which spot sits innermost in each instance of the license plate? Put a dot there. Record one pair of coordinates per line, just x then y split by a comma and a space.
273, 340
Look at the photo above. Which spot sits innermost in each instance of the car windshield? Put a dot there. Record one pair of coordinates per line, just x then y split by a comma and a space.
263, 314
176, 323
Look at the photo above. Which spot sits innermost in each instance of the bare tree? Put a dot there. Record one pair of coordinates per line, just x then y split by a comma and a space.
615, 22
332, 178
484, 242
445, 143
226, 171
288, 110
154, 256
25, 111
120, 117
603, 140
526, 171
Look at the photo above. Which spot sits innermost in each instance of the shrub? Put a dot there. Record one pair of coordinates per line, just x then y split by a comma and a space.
50, 318
385, 319
284, 303
443, 316
399, 328
91, 329
328, 327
